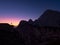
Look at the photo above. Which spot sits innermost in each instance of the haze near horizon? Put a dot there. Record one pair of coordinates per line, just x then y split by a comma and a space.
13, 11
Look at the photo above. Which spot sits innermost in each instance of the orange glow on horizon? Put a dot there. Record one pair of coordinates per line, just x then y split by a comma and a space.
11, 21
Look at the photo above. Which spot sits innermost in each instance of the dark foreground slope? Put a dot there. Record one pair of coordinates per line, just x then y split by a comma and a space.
8, 35
34, 35
38, 32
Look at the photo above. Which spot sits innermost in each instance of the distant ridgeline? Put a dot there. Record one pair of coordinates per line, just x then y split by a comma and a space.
43, 31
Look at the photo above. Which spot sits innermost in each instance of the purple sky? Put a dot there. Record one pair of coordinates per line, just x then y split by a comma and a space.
17, 10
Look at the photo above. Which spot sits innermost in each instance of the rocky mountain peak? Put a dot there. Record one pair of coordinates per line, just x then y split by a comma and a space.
49, 18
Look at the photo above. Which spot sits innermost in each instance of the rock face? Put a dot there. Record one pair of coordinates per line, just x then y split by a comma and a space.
49, 18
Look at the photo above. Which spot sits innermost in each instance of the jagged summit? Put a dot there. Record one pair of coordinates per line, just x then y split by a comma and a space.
22, 23
48, 18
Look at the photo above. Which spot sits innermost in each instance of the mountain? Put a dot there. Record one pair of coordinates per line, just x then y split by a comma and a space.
49, 18
43, 31
30, 21
28, 33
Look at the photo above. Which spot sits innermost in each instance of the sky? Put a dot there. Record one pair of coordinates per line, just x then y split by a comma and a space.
13, 11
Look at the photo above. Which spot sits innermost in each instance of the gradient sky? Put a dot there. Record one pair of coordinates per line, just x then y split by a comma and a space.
12, 11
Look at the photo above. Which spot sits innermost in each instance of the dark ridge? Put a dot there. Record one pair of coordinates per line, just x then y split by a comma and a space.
22, 23
43, 31
5, 24
50, 12
49, 18
40, 31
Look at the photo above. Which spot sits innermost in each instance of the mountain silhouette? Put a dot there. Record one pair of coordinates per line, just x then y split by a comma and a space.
28, 33
49, 18
43, 31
